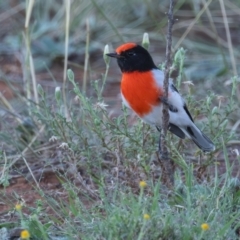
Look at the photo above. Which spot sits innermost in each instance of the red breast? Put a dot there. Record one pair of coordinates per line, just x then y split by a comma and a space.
140, 91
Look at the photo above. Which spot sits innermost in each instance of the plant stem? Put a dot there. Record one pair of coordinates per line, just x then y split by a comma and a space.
84, 85
68, 7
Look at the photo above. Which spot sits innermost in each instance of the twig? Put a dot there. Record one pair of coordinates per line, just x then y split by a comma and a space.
34, 81
166, 78
26, 79
4, 167
6, 103
28, 147
86, 61
30, 170
68, 7
29, 58
229, 40
166, 162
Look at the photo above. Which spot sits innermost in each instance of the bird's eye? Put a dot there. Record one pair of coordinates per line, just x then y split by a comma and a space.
130, 54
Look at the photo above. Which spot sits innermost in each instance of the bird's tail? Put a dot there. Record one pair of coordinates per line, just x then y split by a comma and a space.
199, 138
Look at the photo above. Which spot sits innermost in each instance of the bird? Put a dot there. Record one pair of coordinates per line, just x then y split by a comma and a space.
142, 91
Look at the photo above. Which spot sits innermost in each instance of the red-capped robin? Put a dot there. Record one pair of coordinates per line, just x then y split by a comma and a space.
142, 91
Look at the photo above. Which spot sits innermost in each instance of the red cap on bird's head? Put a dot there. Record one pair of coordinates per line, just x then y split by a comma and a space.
125, 47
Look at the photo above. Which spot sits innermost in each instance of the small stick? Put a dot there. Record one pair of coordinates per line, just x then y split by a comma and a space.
68, 8
166, 163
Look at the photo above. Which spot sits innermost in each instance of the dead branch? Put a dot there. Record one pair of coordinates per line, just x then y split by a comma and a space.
165, 160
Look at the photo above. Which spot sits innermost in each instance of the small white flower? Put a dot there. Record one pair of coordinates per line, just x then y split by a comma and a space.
76, 99
236, 151
101, 105
53, 139
64, 146
220, 97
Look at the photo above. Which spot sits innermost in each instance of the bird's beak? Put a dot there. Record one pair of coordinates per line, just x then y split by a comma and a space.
114, 55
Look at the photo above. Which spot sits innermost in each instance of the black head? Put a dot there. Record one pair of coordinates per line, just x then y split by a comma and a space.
132, 57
